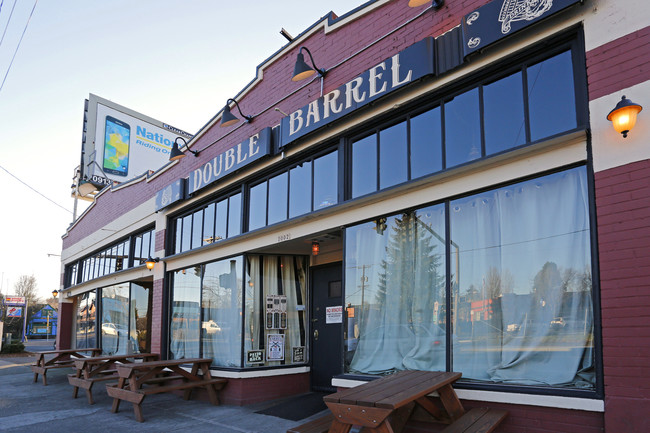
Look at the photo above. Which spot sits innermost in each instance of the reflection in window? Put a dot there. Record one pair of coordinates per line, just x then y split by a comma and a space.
86, 321
208, 224
197, 229
522, 291
257, 206
503, 108
551, 97
221, 308
278, 198
185, 314
300, 190
364, 166
395, 293
234, 215
462, 128
221, 226
393, 164
426, 143
326, 179
114, 325
282, 278
140, 318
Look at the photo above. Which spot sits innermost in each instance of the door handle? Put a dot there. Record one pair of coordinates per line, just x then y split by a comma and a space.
314, 320
315, 334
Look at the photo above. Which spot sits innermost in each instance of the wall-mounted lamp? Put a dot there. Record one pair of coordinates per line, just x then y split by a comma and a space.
55, 293
227, 118
302, 70
623, 116
315, 248
176, 153
437, 4
151, 262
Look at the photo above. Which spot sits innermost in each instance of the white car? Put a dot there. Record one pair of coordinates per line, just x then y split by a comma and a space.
211, 327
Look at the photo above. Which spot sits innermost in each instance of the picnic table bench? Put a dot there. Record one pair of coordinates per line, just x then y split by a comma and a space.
100, 368
63, 358
386, 404
135, 381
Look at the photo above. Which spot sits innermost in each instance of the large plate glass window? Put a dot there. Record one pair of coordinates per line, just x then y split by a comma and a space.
275, 319
86, 321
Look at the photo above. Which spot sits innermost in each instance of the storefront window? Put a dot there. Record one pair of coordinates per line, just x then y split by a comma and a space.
185, 313
221, 306
520, 279
326, 181
278, 198
523, 295
551, 96
275, 321
234, 215
197, 229
86, 320
115, 321
393, 155
462, 128
395, 284
426, 143
364, 166
300, 190
503, 114
139, 318
257, 206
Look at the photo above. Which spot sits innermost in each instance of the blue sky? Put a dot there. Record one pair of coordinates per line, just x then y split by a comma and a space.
177, 62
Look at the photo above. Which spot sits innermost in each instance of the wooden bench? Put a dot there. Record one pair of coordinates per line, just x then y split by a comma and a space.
135, 381
102, 368
477, 420
318, 425
62, 359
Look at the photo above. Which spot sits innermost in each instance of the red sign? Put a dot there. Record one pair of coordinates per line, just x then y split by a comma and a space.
14, 312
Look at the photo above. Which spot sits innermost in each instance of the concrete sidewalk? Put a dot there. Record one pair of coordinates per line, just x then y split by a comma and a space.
29, 407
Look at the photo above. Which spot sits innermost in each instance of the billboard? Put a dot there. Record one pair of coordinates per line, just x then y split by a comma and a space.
120, 144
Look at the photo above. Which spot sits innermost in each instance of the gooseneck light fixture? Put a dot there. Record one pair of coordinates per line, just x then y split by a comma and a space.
623, 116
227, 118
176, 153
437, 4
151, 262
302, 70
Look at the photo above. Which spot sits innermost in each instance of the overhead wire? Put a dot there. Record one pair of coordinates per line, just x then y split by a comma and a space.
33, 189
8, 20
18, 46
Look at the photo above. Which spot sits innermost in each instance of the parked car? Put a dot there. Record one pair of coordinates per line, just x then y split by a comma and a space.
211, 327
557, 323
113, 329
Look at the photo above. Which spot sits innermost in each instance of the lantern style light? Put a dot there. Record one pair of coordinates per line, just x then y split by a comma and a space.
437, 4
315, 248
623, 116
55, 293
151, 262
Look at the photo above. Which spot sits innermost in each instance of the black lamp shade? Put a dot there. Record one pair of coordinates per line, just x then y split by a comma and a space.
227, 118
302, 70
176, 153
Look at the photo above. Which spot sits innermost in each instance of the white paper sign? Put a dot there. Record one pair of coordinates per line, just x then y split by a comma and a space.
334, 314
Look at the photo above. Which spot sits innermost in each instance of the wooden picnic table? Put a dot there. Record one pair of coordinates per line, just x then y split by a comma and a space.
134, 378
100, 368
386, 404
63, 358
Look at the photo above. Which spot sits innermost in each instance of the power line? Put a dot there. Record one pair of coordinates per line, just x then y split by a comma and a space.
37, 192
18, 46
8, 21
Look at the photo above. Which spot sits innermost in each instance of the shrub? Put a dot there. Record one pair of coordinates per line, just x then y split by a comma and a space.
13, 347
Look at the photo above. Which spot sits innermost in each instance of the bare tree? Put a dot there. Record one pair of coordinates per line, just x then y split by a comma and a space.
27, 287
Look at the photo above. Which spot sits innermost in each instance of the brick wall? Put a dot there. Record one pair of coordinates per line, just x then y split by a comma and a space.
623, 211
619, 64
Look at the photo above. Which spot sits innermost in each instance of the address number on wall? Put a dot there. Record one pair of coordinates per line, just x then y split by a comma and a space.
284, 237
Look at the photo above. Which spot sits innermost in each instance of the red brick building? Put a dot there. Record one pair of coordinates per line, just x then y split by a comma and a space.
442, 158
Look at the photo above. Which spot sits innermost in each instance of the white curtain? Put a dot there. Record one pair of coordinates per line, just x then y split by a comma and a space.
524, 261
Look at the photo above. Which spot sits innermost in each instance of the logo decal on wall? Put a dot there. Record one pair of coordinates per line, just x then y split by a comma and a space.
522, 10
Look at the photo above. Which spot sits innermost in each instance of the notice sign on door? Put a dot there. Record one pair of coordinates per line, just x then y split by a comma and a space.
334, 314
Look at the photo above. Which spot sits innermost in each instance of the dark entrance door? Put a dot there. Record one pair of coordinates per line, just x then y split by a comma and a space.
326, 326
